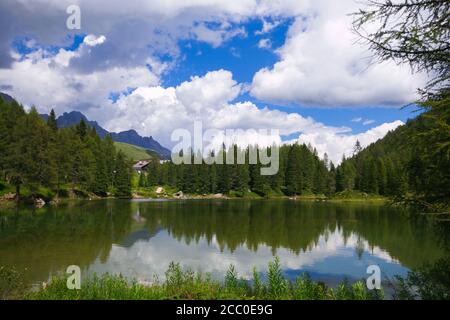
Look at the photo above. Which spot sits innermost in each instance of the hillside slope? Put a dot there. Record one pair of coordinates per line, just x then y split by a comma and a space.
69, 119
136, 153
410, 163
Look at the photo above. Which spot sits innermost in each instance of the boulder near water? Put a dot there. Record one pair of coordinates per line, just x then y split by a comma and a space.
9, 197
39, 203
179, 195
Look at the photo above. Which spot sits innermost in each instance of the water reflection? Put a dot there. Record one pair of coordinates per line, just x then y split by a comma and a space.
139, 239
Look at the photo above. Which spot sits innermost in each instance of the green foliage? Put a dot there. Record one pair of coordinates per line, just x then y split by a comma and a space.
122, 181
430, 282
51, 121
411, 164
277, 286
417, 156
301, 171
142, 180
306, 289
258, 285
186, 284
413, 32
11, 283
134, 153
38, 159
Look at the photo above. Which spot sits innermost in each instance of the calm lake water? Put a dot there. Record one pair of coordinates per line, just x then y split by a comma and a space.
140, 238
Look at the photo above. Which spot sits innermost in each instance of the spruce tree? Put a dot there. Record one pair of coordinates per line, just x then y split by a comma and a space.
382, 177
122, 177
142, 180
51, 121
294, 177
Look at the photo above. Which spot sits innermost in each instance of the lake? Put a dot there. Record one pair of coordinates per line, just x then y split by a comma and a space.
330, 241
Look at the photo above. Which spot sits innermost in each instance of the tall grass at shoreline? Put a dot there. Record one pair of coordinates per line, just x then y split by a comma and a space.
187, 284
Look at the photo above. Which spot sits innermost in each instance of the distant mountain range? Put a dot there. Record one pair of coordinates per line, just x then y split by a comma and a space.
69, 119
6, 97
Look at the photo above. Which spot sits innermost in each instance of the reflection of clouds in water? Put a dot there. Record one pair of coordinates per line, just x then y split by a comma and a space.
146, 258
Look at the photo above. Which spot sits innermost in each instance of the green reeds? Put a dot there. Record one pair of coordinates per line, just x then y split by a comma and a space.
187, 284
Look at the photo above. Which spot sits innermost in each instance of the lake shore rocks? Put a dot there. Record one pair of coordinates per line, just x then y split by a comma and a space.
179, 195
9, 197
39, 203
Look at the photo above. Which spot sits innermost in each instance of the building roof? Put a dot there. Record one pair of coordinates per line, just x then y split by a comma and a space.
141, 164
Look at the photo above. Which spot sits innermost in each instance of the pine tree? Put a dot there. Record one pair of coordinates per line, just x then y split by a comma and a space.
204, 183
213, 178
31, 162
382, 177
142, 180
358, 148
153, 174
81, 129
373, 177
37, 154
331, 180
122, 177
100, 186
109, 154
51, 121
223, 177
294, 177
345, 176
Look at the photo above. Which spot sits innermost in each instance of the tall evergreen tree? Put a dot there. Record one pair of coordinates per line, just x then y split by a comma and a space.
142, 180
51, 121
122, 177
294, 177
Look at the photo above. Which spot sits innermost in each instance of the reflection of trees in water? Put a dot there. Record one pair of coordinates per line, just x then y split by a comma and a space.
236, 223
297, 226
51, 239
359, 248
442, 227
78, 233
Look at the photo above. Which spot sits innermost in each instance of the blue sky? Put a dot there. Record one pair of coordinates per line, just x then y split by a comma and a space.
292, 66
244, 58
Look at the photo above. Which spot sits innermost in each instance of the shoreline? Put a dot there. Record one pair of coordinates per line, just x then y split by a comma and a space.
9, 202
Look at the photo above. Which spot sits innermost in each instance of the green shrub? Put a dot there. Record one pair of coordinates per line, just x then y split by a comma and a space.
186, 284
277, 286
430, 282
11, 283
305, 289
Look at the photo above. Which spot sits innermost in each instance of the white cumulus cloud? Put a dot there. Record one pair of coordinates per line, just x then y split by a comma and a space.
321, 64
158, 111
338, 144
92, 40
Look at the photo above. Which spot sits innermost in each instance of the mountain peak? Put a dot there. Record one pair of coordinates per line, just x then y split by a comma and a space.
131, 131
6, 97
69, 119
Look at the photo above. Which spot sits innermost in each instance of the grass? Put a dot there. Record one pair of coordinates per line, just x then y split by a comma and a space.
186, 284
150, 192
11, 284
135, 153
345, 196
42, 192
349, 195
